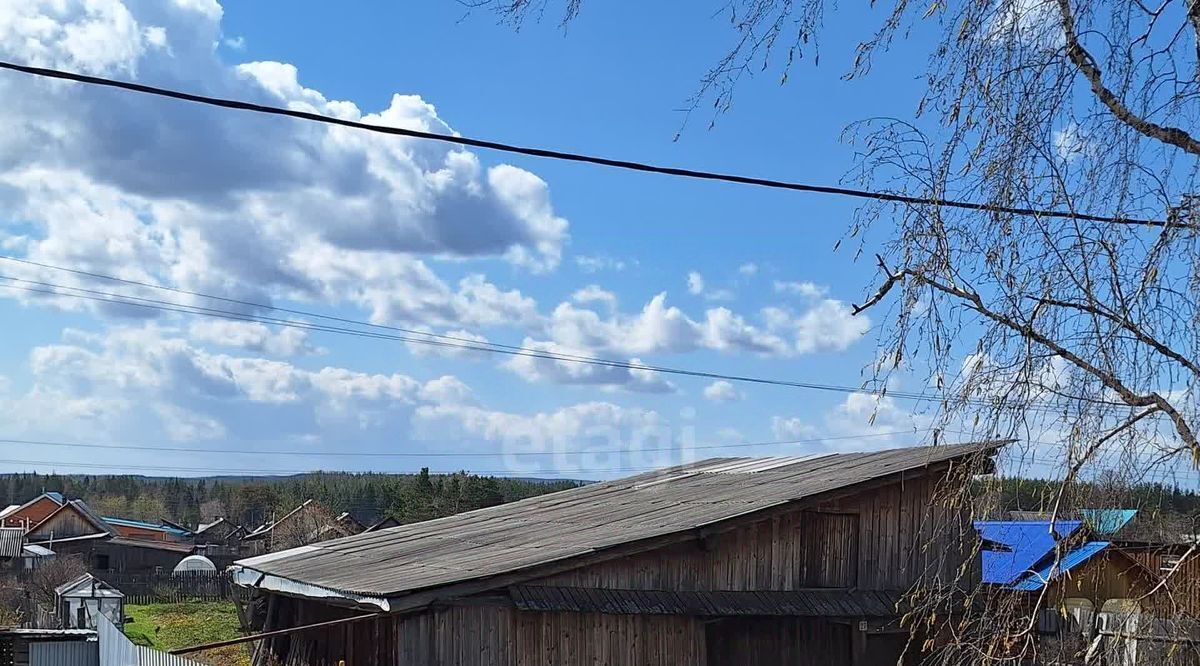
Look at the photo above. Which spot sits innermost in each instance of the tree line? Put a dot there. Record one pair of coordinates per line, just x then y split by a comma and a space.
250, 501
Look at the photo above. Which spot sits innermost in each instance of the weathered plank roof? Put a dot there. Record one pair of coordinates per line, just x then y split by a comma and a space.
572, 523
793, 603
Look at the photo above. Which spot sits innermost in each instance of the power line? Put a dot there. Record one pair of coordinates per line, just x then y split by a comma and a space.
469, 343
264, 472
571, 157
265, 306
445, 454
51, 288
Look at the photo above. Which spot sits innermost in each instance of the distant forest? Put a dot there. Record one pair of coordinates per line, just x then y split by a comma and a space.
251, 501
1018, 494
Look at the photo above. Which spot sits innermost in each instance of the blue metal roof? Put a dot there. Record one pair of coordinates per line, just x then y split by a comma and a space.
1104, 522
1028, 541
1038, 579
57, 497
140, 523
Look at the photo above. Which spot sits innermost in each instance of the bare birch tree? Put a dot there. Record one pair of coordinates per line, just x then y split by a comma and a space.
1078, 337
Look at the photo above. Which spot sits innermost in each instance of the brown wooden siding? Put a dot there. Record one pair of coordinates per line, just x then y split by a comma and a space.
1109, 575
1184, 583
62, 525
490, 636
498, 636
885, 539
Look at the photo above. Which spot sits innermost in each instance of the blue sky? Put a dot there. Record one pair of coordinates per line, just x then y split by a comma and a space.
518, 250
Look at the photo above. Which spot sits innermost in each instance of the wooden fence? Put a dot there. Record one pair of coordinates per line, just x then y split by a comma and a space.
167, 588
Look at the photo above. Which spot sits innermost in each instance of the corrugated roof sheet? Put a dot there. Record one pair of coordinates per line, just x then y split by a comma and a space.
1028, 541
1105, 522
571, 523
34, 550
181, 548
795, 603
145, 525
1038, 579
12, 540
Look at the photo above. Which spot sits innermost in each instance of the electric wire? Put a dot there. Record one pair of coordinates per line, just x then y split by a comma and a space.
570, 156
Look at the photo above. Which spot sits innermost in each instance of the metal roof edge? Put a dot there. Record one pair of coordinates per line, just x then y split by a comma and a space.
252, 578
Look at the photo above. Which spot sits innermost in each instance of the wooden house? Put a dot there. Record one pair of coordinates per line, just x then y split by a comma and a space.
1070, 562
308, 523
75, 530
221, 541
786, 560
33, 512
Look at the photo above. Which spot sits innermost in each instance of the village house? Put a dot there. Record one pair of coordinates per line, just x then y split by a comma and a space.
1085, 593
33, 512
308, 523
785, 560
1076, 562
220, 541
74, 529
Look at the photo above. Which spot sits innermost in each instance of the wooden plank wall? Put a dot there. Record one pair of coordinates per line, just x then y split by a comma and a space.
491, 636
64, 524
885, 539
778, 642
1183, 585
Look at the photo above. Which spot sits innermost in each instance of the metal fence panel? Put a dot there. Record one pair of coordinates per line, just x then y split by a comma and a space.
63, 653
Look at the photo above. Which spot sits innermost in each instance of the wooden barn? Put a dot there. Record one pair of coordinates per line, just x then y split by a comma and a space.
786, 560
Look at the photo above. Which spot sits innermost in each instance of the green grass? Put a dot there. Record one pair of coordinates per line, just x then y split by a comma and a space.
172, 626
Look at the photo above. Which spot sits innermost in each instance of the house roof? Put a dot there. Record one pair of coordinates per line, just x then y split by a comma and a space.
34, 550
204, 527
12, 540
1106, 522
181, 548
86, 537
383, 524
576, 522
794, 603
267, 527
1036, 580
1028, 542
141, 524
57, 498
90, 583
